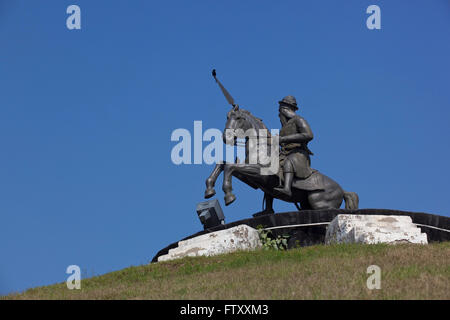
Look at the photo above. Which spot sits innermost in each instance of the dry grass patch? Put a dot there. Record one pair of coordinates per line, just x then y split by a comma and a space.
317, 272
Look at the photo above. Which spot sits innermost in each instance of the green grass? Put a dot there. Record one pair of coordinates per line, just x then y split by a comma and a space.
317, 272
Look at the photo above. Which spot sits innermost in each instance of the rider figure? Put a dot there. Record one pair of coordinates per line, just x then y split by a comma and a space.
294, 137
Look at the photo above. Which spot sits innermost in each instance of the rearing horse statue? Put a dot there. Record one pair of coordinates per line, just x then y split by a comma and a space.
313, 193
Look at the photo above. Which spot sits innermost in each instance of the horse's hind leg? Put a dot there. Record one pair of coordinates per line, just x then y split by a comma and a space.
269, 203
268, 206
211, 181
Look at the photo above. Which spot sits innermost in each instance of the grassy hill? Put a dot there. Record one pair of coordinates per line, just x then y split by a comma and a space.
317, 272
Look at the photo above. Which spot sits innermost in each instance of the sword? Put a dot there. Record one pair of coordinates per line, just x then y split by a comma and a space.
224, 91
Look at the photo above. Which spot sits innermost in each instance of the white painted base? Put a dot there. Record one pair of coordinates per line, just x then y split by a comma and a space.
346, 228
241, 237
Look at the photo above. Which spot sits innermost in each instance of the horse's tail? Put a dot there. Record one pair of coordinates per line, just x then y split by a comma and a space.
351, 200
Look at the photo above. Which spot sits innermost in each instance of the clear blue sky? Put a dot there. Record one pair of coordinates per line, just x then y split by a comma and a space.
86, 116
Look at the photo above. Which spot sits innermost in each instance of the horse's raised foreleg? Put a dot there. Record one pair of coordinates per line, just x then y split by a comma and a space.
211, 181
247, 173
227, 187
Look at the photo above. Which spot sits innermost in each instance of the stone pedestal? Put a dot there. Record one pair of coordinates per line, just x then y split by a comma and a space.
369, 229
241, 237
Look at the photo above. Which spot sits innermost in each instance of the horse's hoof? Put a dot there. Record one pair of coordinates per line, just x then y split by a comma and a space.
209, 193
229, 199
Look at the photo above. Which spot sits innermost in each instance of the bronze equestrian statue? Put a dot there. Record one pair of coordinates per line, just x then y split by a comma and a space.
295, 180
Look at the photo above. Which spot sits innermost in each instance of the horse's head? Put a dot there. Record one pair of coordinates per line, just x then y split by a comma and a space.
240, 119
235, 121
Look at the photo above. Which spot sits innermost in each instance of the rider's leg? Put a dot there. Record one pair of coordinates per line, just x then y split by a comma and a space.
288, 170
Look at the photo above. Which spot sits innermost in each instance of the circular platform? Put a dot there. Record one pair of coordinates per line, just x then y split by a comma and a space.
315, 234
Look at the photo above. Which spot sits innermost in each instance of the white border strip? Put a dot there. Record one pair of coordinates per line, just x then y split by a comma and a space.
298, 225
325, 223
425, 225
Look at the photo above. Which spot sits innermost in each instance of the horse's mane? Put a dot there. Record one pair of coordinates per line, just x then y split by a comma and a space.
256, 122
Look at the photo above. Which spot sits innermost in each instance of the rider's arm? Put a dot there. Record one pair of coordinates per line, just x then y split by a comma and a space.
305, 134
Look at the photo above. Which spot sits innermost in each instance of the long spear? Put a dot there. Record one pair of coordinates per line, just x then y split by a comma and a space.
224, 91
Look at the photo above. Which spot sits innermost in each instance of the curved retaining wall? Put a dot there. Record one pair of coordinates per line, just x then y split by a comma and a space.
311, 235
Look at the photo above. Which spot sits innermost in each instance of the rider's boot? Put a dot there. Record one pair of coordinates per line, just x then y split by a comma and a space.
288, 177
